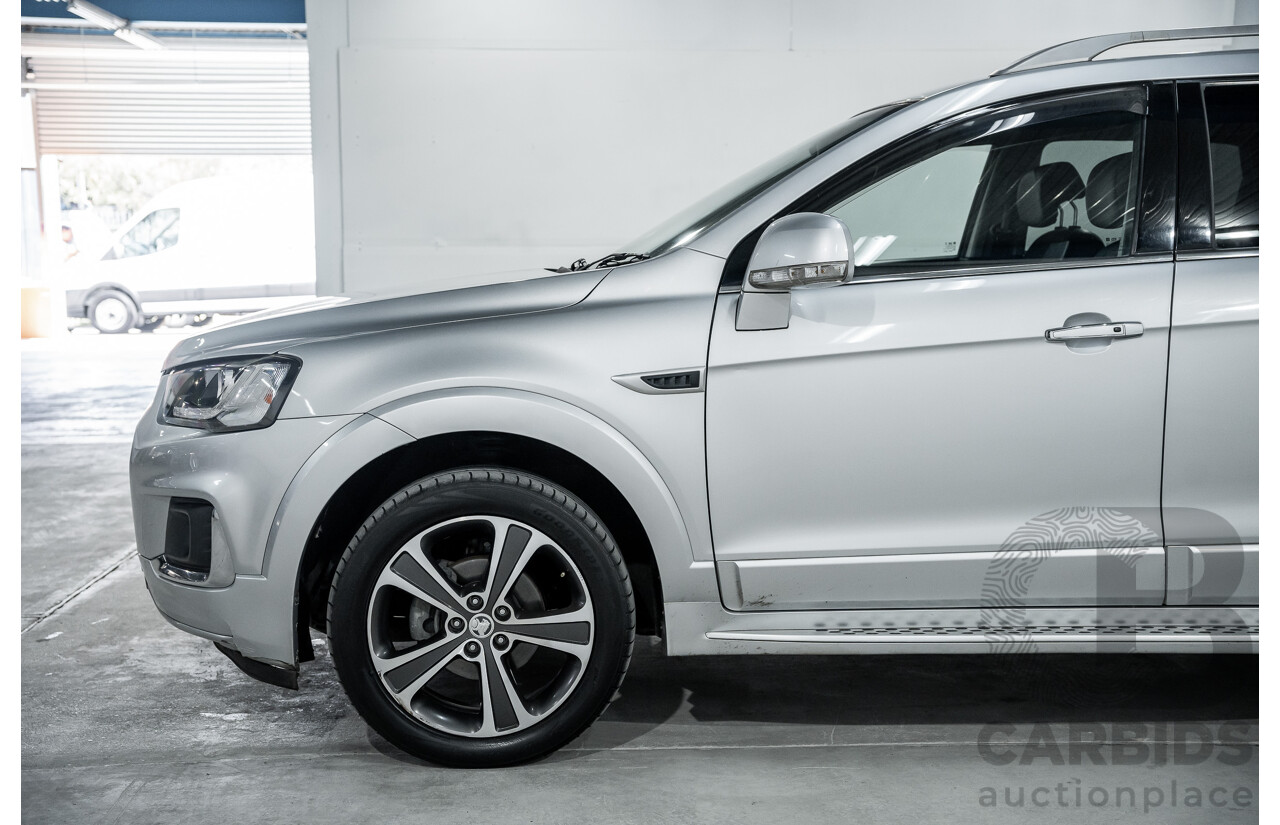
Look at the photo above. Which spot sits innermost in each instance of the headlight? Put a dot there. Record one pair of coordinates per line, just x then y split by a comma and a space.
239, 394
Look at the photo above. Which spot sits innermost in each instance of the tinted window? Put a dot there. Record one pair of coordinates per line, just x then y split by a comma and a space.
157, 231
1232, 112
1054, 183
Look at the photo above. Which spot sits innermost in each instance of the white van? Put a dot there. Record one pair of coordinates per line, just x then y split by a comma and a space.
215, 245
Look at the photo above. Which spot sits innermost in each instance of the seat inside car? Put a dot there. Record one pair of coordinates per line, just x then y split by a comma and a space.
1044, 195
1106, 198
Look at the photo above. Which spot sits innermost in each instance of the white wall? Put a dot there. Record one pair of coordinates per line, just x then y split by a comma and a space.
456, 138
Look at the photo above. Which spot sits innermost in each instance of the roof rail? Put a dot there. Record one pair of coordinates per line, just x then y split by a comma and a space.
1080, 51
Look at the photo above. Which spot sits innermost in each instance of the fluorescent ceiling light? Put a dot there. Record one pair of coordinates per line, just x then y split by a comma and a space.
138, 38
113, 23
95, 15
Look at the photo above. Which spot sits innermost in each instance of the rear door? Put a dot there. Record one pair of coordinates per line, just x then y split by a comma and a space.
912, 439
1211, 447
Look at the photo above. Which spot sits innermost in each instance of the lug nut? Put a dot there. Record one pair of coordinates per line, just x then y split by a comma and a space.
502, 613
456, 625
472, 649
475, 602
499, 642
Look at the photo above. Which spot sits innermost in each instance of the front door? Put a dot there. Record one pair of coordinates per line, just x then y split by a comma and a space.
915, 438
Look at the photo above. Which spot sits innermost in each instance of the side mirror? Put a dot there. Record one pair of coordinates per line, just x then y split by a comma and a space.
803, 250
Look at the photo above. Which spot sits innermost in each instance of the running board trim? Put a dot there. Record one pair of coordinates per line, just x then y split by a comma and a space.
992, 635
706, 628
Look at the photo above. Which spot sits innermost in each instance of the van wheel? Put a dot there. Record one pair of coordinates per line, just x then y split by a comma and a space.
112, 312
481, 617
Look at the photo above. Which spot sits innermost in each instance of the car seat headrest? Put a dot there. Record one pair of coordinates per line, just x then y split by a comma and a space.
1043, 189
1107, 193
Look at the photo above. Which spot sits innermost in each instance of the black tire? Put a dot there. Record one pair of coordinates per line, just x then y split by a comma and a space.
559, 575
151, 323
112, 312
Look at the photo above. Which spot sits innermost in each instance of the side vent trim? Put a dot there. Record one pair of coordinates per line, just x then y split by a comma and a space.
663, 383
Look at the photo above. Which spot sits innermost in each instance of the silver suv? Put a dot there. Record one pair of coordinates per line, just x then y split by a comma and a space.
974, 372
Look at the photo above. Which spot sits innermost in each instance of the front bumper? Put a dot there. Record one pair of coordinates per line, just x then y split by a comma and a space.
245, 477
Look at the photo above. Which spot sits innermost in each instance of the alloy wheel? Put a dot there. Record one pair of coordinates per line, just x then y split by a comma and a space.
480, 626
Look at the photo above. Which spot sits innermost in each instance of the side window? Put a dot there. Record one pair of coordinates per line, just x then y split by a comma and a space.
918, 213
157, 231
1094, 160
1232, 112
1047, 183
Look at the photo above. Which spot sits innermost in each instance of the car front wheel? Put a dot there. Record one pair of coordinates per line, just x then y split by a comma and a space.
481, 617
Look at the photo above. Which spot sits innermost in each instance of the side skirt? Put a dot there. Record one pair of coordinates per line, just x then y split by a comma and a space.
706, 628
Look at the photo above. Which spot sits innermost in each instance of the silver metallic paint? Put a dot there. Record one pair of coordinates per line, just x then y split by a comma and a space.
672, 529
244, 475
255, 614
526, 358
1089, 48
1211, 428
798, 240
329, 318
1085, 576
1226, 574
872, 378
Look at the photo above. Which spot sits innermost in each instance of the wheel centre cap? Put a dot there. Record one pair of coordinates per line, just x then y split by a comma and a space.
480, 626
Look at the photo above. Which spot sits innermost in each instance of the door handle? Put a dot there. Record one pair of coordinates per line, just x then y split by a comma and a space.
1116, 329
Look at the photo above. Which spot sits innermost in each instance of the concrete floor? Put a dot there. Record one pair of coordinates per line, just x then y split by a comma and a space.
126, 719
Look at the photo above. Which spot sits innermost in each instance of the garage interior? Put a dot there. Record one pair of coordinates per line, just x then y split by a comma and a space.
451, 143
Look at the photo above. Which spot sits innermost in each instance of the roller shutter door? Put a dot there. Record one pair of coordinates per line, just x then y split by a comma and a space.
96, 95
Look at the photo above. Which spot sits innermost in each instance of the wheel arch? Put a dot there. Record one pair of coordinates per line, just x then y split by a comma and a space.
521, 431
110, 285
378, 480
